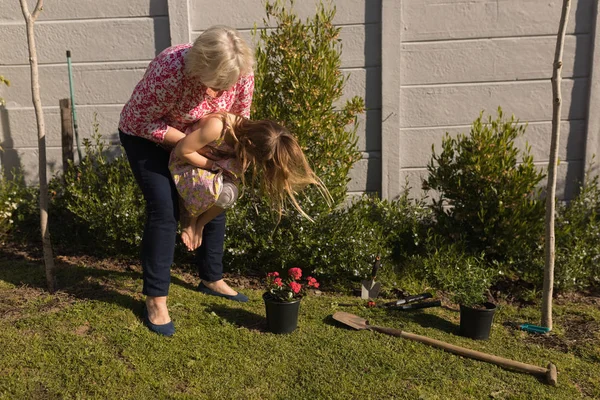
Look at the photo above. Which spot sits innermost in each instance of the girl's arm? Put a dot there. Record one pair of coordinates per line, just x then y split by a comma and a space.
187, 148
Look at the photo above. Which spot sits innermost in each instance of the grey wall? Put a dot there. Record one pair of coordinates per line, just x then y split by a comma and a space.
457, 58
111, 42
424, 67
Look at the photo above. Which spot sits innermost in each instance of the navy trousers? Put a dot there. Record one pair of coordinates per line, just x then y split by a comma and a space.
149, 163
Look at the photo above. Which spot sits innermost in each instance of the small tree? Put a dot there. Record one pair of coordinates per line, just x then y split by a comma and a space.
30, 19
298, 81
552, 164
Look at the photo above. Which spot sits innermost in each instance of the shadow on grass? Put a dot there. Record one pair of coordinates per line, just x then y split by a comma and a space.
240, 317
84, 281
427, 320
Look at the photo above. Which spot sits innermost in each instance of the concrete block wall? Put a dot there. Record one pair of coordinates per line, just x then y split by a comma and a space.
457, 58
111, 42
424, 67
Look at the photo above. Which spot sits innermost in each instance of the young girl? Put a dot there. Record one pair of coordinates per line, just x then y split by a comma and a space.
215, 154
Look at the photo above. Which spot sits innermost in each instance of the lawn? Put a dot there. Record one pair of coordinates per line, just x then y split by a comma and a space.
87, 341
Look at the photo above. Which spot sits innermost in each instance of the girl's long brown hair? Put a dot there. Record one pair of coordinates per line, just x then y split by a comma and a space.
271, 150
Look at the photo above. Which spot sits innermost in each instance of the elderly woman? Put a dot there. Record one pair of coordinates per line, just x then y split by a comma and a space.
181, 85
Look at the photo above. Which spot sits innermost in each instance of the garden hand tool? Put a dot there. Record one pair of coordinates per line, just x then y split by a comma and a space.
370, 288
409, 299
534, 328
416, 306
353, 321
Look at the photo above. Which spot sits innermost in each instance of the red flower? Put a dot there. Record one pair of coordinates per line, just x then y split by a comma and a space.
273, 274
278, 282
371, 304
296, 287
312, 282
295, 273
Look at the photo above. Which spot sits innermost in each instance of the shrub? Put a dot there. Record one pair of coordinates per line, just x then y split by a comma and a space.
465, 277
302, 99
20, 207
9, 201
347, 242
298, 80
487, 196
340, 246
98, 203
405, 224
578, 238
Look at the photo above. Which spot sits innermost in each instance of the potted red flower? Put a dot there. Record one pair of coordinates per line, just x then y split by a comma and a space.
282, 299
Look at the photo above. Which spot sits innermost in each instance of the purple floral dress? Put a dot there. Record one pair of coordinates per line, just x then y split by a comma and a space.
200, 188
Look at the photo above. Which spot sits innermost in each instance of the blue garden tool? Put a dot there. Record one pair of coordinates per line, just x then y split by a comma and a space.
534, 328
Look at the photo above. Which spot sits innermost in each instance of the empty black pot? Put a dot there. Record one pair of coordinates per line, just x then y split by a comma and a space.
282, 316
476, 323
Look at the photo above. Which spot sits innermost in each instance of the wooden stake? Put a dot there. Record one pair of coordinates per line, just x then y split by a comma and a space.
66, 130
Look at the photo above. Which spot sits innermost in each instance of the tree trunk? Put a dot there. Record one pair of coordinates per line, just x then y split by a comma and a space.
39, 115
552, 165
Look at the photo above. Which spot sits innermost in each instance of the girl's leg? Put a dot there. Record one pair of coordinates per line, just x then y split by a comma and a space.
192, 227
188, 227
149, 164
199, 223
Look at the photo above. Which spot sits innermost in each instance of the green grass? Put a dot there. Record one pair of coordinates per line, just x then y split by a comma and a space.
87, 341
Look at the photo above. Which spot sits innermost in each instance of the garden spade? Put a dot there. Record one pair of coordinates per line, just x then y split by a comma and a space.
370, 288
548, 374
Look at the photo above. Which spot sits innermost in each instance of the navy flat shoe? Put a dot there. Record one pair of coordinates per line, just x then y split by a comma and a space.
167, 329
242, 298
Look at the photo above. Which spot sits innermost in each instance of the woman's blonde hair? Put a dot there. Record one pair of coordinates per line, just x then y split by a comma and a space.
218, 57
272, 152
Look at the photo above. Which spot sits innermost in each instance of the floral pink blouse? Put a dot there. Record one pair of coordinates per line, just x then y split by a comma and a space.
166, 97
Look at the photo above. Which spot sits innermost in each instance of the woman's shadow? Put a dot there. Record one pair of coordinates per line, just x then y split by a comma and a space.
240, 317
84, 281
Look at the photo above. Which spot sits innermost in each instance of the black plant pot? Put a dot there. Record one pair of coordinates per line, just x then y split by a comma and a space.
476, 323
282, 316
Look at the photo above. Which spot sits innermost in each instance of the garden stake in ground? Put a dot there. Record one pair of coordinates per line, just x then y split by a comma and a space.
370, 288
549, 374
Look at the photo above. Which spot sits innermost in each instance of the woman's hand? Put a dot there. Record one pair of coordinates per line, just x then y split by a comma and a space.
172, 137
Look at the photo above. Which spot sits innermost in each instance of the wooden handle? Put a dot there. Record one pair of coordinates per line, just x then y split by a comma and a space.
549, 373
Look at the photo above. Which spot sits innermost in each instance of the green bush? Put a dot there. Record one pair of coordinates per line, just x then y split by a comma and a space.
338, 247
577, 264
347, 242
9, 202
406, 224
98, 207
20, 207
302, 99
488, 192
298, 80
465, 277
